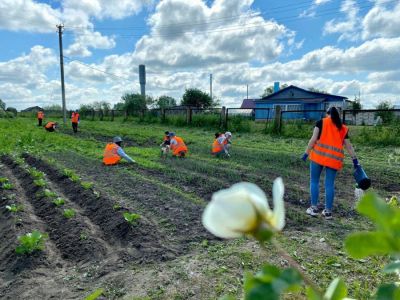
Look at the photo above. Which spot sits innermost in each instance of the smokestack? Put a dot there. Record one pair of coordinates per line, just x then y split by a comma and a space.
276, 86
142, 79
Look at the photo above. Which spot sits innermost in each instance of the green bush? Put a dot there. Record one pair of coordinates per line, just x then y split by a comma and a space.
239, 124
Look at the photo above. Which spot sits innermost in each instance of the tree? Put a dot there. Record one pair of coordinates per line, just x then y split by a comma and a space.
196, 98
119, 106
270, 90
386, 115
134, 102
54, 107
12, 110
315, 90
2, 105
165, 102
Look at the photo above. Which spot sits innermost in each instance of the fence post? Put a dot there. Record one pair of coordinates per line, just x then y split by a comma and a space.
112, 115
189, 115
226, 118
222, 117
125, 114
93, 114
162, 114
344, 116
101, 114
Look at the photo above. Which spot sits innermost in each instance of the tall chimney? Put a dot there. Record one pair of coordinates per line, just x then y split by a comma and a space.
276, 86
142, 79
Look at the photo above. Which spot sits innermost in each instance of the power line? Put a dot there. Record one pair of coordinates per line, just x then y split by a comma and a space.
93, 68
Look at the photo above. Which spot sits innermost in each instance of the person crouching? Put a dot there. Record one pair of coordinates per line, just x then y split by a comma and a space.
221, 145
177, 146
113, 152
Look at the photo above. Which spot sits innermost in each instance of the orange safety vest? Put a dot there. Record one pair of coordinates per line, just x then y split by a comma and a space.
217, 147
179, 147
40, 115
328, 151
75, 118
110, 156
49, 125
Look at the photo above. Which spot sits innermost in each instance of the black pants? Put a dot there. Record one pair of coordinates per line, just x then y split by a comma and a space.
75, 127
40, 122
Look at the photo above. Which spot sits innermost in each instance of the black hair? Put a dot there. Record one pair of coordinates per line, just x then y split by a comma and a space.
119, 143
217, 134
334, 113
166, 133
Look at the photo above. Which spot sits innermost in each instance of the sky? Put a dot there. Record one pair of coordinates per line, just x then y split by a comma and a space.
348, 48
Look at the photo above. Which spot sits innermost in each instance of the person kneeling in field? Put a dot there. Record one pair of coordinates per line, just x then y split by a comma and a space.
165, 145
177, 145
221, 144
51, 126
113, 152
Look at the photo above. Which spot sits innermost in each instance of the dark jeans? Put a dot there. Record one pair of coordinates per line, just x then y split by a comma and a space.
75, 127
40, 122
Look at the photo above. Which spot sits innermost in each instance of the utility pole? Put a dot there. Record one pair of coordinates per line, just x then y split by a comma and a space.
247, 97
211, 86
60, 31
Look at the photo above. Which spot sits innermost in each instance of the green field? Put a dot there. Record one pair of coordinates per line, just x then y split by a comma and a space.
167, 254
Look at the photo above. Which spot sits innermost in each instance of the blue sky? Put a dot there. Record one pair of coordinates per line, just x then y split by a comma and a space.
343, 47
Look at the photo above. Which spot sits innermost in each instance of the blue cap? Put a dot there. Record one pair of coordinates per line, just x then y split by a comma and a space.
171, 134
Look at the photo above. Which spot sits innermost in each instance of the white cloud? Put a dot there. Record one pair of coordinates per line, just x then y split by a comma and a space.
205, 35
28, 15
312, 10
382, 21
89, 39
347, 28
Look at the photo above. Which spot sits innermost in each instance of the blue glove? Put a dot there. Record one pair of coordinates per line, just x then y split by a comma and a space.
355, 163
304, 157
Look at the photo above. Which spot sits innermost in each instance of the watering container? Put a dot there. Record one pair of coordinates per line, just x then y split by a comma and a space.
362, 179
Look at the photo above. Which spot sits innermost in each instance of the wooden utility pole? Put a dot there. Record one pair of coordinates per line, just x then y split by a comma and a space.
60, 31
211, 86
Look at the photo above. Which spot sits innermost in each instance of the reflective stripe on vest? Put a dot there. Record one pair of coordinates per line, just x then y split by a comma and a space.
110, 156
179, 146
328, 151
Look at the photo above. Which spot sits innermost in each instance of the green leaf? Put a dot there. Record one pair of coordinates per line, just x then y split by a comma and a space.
337, 290
362, 244
388, 292
312, 295
377, 210
96, 294
392, 267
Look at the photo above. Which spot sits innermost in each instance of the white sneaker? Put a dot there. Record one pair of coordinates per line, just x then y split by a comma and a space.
312, 211
327, 214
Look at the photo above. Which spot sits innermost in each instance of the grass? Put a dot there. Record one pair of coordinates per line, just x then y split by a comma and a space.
255, 157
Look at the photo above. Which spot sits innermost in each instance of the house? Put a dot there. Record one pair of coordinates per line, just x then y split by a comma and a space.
32, 109
293, 98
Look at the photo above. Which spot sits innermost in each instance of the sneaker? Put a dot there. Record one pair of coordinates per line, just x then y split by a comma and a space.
312, 211
327, 214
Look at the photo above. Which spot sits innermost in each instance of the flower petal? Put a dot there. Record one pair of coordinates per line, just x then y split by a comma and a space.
278, 190
256, 196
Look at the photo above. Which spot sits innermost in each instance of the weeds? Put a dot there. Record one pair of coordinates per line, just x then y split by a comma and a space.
14, 208
3, 180
71, 175
69, 213
49, 194
31, 242
87, 185
117, 206
7, 186
35, 173
40, 182
131, 218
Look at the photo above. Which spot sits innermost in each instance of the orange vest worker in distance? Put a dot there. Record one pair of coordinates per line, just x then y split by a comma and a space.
216, 146
75, 121
113, 153
177, 145
40, 117
328, 151
50, 126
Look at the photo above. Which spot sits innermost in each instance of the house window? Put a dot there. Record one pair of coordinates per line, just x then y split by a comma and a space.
283, 106
294, 107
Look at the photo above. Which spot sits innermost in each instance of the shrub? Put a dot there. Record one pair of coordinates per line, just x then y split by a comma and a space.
31, 242
239, 124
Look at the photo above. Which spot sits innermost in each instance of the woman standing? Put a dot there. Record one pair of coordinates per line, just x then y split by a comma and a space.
326, 151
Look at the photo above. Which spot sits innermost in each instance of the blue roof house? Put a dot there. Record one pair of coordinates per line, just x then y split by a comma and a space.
294, 98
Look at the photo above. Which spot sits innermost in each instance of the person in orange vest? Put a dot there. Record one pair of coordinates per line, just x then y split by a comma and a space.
113, 153
325, 149
177, 145
165, 145
75, 120
40, 117
51, 126
221, 144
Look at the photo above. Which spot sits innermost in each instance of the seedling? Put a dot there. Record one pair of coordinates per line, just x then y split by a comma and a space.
40, 182
7, 186
30, 242
58, 202
35, 173
69, 213
87, 185
96, 193
14, 208
83, 236
117, 206
131, 217
3, 180
49, 193
71, 175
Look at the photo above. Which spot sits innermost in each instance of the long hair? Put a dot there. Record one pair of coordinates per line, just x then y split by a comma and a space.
334, 113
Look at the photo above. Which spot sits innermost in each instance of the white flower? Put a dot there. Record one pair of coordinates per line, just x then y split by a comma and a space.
243, 209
